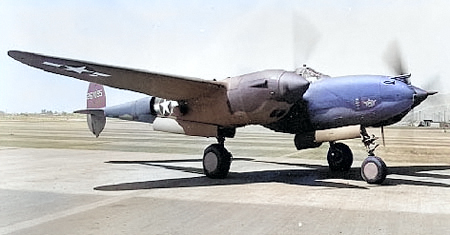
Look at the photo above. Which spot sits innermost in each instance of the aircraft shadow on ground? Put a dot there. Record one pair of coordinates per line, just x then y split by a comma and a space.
314, 175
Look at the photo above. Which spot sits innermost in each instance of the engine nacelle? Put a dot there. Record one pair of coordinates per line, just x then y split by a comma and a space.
315, 139
266, 96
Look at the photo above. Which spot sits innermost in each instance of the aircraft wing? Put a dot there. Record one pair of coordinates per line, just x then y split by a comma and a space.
154, 84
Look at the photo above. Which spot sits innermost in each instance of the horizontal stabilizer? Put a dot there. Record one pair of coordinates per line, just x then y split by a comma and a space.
96, 112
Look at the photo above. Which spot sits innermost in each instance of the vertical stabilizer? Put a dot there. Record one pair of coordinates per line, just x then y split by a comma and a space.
96, 102
96, 121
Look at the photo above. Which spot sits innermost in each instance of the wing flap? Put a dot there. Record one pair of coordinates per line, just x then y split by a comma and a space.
156, 84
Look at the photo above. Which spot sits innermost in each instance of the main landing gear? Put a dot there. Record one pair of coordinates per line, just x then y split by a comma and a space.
217, 160
340, 157
373, 168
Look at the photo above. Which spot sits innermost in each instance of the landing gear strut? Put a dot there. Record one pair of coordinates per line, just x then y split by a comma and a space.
373, 168
217, 160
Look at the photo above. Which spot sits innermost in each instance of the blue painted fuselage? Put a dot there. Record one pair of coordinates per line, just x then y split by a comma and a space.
368, 100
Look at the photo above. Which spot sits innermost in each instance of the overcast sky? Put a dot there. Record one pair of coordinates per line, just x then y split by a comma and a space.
215, 39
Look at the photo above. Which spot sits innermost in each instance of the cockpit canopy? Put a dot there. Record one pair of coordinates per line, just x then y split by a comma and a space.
309, 74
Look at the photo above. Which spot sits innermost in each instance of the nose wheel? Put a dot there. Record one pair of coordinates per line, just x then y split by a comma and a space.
373, 168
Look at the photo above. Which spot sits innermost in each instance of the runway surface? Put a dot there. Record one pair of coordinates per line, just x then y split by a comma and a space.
56, 178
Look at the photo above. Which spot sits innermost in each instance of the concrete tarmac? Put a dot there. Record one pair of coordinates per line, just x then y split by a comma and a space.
55, 178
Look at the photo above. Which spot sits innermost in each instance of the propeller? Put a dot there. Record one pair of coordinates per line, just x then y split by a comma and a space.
305, 38
393, 58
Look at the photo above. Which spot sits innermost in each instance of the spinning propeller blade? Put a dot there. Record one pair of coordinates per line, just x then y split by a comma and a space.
305, 39
393, 58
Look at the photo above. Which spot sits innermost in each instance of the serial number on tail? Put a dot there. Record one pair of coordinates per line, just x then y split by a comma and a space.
94, 94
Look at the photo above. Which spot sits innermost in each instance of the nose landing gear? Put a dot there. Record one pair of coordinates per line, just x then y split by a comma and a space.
373, 168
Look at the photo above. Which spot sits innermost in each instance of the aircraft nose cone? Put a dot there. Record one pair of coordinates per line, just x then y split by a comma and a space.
420, 95
292, 87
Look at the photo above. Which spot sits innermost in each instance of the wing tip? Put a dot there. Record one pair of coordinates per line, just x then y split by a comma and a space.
12, 53
17, 55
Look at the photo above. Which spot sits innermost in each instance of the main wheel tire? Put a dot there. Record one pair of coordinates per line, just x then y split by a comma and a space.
216, 161
373, 170
340, 157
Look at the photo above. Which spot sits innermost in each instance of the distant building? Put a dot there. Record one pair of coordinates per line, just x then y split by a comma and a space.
430, 123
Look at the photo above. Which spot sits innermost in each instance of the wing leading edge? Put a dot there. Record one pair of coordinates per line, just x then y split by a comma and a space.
155, 84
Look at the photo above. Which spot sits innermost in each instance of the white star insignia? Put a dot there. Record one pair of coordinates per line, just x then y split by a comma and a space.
78, 70
166, 107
